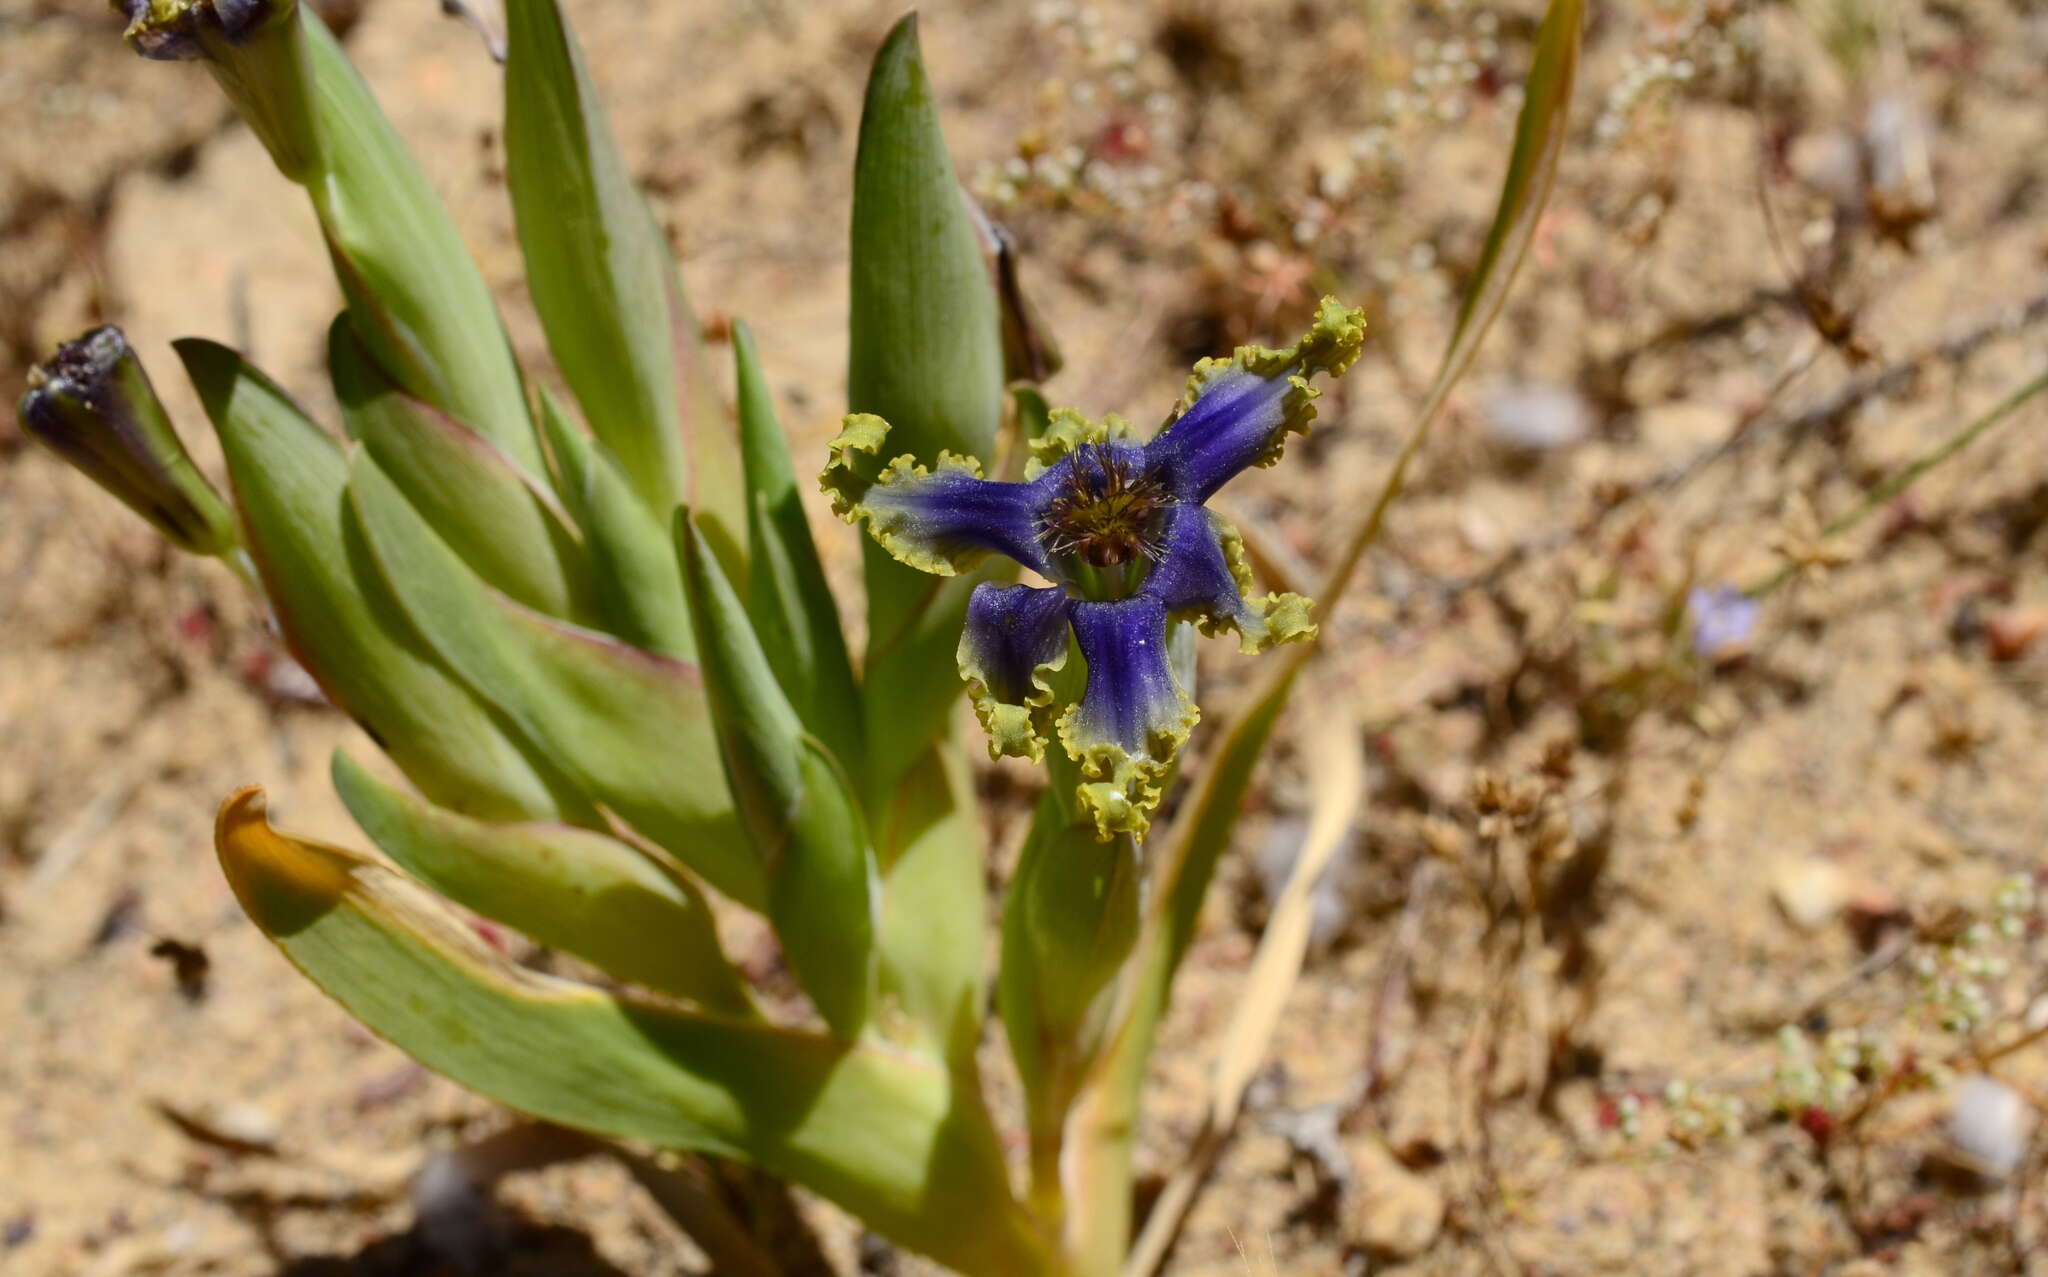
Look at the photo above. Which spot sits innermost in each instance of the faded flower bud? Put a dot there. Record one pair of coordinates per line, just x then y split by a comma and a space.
92, 405
182, 30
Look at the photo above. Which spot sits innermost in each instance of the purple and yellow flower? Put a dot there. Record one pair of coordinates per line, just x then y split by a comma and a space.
1119, 531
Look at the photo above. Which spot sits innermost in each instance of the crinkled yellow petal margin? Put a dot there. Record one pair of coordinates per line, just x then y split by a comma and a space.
1120, 790
1331, 345
856, 498
851, 463
1067, 431
1263, 620
1014, 731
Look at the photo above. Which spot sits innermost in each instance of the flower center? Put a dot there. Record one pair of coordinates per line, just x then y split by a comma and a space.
1106, 511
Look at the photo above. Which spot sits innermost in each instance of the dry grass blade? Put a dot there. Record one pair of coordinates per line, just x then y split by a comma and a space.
1338, 779
1884, 493
1532, 168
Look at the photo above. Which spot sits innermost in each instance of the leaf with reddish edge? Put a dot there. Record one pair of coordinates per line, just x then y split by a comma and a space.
885, 1134
632, 914
499, 519
630, 727
341, 623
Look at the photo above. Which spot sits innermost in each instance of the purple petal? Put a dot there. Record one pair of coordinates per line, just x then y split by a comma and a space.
925, 519
1131, 699
1229, 428
1237, 412
1012, 632
1192, 574
1201, 575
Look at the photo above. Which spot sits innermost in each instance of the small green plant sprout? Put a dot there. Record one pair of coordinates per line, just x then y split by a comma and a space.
592, 634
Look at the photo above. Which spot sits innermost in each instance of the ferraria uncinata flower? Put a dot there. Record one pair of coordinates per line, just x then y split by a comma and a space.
1120, 531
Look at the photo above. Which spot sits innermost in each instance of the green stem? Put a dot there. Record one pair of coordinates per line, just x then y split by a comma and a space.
1885, 492
1070, 916
1047, 1123
1102, 1122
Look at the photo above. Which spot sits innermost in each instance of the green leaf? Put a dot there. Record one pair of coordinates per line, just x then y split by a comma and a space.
629, 726
638, 585
717, 492
793, 799
880, 1132
1209, 815
926, 333
911, 683
339, 620
932, 933
500, 519
585, 893
413, 292
926, 353
1103, 1117
787, 598
1540, 133
602, 276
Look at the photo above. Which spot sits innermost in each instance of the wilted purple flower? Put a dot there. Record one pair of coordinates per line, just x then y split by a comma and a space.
92, 405
1723, 617
179, 30
1119, 527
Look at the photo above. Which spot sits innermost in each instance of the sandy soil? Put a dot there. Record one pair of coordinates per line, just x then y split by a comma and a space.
1599, 873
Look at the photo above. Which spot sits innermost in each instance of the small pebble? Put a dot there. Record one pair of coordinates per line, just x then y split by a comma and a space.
1811, 891
1988, 1122
1829, 163
252, 1124
1537, 416
2010, 632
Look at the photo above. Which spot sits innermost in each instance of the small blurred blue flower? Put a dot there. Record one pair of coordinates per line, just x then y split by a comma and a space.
1723, 618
